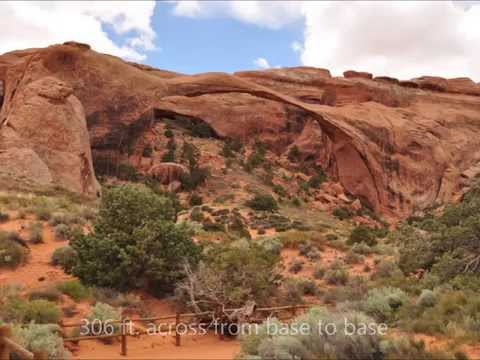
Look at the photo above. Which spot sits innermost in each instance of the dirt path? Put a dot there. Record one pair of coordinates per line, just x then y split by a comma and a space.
163, 347
37, 271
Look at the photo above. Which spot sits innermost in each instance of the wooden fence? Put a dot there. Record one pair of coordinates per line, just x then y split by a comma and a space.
8, 347
177, 318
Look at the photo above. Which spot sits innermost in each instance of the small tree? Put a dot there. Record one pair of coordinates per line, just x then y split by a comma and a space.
134, 243
262, 202
229, 277
362, 234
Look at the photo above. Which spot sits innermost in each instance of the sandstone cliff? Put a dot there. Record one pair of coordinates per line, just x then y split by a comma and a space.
400, 145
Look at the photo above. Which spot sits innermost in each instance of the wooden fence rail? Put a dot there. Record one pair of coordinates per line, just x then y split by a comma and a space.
124, 334
8, 347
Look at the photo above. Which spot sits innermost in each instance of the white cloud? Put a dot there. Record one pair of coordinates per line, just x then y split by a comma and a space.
262, 63
401, 39
270, 14
42, 23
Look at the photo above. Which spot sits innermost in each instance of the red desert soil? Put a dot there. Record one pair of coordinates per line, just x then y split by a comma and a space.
163, 347
37, 271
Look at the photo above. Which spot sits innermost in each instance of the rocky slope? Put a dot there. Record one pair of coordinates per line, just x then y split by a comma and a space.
401, 146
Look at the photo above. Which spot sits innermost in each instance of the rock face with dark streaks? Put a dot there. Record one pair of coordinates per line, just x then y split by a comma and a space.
398, 145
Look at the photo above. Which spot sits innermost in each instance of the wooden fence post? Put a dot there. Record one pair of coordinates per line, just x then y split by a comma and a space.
124, 337
4, 349
177, 334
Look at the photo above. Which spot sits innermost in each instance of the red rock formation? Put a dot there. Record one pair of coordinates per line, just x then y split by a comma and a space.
357, 74
398, 147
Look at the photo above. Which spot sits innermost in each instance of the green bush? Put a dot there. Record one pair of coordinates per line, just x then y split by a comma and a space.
362, 234
168, 133
294, 154
62, 232
318, 271
292, 293
427, 298
266, 343
147, 151
42, 312
342, 213
134, 243
169, 156
60, 218
42, 213
195, 178
361, 249
196, 200
262, 202
4, 217
100, 318
42, 338
233, 275
316, 180
296, 266
36, 233
12, 254
65, 257
337, 274
382, 303
353, 258
75, 289
230, 147
49, 293
257, 156
308, 287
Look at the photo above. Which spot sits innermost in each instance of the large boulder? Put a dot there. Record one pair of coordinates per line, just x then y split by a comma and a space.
167, 173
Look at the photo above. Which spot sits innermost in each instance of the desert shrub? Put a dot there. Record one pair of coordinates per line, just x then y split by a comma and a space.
196, 200
331, 237
58, 218
197, 215
168, 133
296, 266
316, 344
262, 202
271, 244
12, 254
294, 154
42, 338
36, 233
75, 289
257, 156
362, 234
408, 348
291, 292
65, 257
316, 180
49, 293
231, 275
230, 147
42, 212
318, 271
134, 242
427, 298
196, 177
147, 151
169, 156
99, 320
382, 303
386, 269
362, 249
201, 129
127, 172
294, 238
4, 217
296, 202
342, 213
41, 312
353, 258
308, 287
279, 190
62, 232
337, 274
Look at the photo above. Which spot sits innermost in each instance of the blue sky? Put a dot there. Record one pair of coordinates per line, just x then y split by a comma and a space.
193, 45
